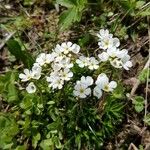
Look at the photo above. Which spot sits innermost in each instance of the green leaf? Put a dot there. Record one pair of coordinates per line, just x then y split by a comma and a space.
24, 56
28, 2
7, 86
147, 119
47, 144
21, 147
139, 107
145, 13
139, 4
72, 15
143, 75
138, 103
57, 142
50, 102
8, 130
66, 3
67, 18
78, 141
35, 139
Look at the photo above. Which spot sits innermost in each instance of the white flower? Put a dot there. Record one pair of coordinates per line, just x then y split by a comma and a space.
93, 63
36, 74
88, 81
81, 90
97, 92
36, 71
65, 63
105, 43
122, 53
59, 57
116, 42
126, 63
103, 34
55, 81
82, 61
31, 88
58, 49
112, 52
103, 83
75, 48
106, 40
36, 67
66, 74
103, 56
67, 47
26, 76
43, 59
52, 76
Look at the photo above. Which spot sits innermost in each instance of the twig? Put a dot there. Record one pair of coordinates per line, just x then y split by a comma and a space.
132, 147
6, 39
138, 81
6, 109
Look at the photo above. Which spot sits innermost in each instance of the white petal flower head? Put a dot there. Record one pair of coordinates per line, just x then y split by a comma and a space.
26, 76
58, 83
55, 81
116, 42
81, 91
83, 61
67, 47
112, 52
65, 63
56, 66
36, 67
52, 76
88, 81
126, 63
106, 43
93, 63
43, 59
36, 71
36, 74
111, 86
103, 56
106, 40
75, 48
104, 34
97, 92
66, 74
31, 88
102, 82
58, 49
122, 53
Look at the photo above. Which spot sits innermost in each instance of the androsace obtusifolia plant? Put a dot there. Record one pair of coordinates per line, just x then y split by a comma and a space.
74, 100
58, 64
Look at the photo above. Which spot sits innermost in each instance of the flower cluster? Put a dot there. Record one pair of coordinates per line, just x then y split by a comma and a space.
82, 88
118, 58
60, 63
57, 67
